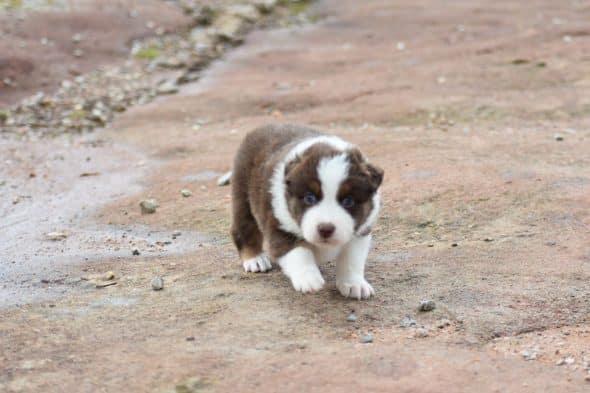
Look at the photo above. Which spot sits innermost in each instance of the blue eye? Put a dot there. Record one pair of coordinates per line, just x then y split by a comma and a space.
310, 199
347, 202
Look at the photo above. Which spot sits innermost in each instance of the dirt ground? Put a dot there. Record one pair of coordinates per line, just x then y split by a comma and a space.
40, 48
478, 111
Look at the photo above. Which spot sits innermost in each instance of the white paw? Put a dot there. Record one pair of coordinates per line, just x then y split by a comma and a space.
356, 288
259, 263
308, 280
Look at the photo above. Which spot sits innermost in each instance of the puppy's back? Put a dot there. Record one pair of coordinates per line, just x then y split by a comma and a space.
264, 147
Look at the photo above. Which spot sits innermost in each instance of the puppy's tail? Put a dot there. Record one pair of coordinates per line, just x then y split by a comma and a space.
225, 179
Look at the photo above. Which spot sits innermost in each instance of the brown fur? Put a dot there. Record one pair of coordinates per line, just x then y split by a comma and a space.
256, 159
253, 221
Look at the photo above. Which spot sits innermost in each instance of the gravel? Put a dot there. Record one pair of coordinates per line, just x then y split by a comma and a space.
86, 102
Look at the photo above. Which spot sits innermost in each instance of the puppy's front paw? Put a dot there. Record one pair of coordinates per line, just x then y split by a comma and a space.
357, 288
259, 263
308, 280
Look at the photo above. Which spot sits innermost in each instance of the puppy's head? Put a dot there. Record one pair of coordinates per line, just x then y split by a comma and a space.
331, 194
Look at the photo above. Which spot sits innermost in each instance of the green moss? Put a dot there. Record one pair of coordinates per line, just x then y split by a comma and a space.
148, 53
11, 3
77, 115
296, 7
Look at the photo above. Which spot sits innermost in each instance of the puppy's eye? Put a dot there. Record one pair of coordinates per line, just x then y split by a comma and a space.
347, 202
310, 199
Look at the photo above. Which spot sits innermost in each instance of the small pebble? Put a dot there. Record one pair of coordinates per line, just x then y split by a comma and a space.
186, 193
443, 323
190, 338
351, 317
54, 236
421, 332
169, 87
175, 234
528, 354
135, 251
149, 206
560, 362
427, 305
225, 179
366, 339
558, 138
408, 322
157, 283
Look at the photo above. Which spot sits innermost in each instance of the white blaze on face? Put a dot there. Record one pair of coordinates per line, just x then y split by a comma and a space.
332, 171
279, 200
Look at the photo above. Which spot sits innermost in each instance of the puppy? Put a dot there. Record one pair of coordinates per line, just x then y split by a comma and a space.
304, 198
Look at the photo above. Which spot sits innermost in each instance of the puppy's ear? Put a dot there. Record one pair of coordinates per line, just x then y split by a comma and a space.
375, 175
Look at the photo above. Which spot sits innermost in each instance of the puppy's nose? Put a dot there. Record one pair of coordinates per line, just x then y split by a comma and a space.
326, 230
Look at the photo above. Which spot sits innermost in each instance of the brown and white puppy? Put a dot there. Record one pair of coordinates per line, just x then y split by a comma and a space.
304, 197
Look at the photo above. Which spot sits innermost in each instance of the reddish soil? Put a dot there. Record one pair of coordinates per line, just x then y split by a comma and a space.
484, 211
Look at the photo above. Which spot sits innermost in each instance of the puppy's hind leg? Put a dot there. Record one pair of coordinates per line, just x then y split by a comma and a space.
248, 238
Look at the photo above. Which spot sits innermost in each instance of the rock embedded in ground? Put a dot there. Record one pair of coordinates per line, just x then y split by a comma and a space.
225, 179
167, 87
351, 317
157, 283
186, 193
227, 27
366, 339
408, 322
529, 354
149, 206
443, 323
192, 385
104, 284
55, 236
265, 6
248, 12
421, 332
427, 305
